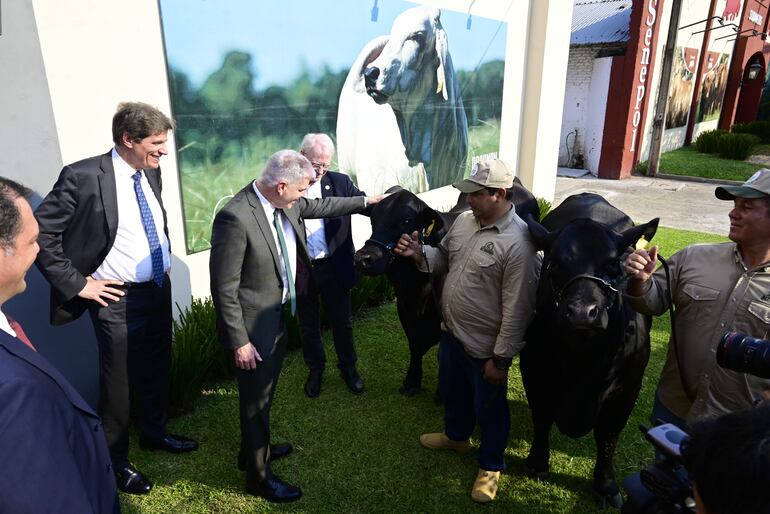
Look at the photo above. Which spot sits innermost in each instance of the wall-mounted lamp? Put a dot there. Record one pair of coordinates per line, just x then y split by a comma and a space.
468, 22
375, 11
754, 70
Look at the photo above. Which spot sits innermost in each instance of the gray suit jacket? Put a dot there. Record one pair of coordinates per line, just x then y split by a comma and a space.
246, 283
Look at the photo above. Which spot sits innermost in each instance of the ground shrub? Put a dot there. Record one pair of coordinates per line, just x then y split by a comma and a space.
707, 142
759, 128
736, 146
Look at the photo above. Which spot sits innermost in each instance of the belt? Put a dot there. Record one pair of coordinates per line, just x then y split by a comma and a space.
316, 262
139, 285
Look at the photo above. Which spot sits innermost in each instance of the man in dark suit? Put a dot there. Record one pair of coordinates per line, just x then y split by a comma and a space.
258, 262
330, 247
104, 248
53, 456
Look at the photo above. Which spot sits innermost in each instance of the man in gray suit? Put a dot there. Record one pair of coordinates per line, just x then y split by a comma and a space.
258, 259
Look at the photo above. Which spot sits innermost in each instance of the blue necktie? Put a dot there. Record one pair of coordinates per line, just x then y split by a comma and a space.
286, 264
156, 253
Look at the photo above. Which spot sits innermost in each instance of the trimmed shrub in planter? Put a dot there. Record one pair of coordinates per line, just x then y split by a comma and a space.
736, 146
707, 142
759, 128
196, 355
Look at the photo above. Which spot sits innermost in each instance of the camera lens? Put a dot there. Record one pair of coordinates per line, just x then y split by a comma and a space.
743, 353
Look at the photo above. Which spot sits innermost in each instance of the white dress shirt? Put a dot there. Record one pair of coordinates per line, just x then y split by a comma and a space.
5, 326
315, 230
289, 236
129, 258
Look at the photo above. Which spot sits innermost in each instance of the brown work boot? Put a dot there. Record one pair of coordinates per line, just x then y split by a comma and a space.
440, 441
485, 488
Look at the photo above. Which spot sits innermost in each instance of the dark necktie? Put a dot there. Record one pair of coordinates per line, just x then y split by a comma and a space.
20, 335
286, 264
156, 253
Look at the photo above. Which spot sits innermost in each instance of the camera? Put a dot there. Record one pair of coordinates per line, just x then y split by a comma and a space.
740, 352
664, 485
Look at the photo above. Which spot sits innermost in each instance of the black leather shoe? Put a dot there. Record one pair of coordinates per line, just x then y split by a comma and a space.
353, 380
313, 383
131, 481
273, 490
170, 443
277, 451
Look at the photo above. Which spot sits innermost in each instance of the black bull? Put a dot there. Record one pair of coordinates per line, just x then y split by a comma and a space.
417, 293
586, 349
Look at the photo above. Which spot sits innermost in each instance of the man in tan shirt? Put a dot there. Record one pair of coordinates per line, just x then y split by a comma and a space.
715, 288
491, 268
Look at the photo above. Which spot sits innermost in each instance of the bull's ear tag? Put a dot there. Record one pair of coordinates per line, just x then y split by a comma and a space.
428, 230
488, 248
641, 244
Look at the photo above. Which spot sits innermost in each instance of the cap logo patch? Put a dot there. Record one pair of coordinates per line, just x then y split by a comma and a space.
754, 177
474, 169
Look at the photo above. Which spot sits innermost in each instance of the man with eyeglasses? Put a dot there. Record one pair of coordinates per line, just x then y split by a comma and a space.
331, 250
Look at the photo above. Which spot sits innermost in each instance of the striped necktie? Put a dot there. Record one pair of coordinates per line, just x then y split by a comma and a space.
286, 264
156, 253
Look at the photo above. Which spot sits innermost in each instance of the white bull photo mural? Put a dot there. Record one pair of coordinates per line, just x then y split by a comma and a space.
410, 94
407, 84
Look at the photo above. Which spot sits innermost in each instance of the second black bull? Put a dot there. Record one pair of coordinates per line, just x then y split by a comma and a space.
586, 348
417, 293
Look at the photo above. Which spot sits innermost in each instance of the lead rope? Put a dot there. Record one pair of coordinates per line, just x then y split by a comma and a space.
670, 300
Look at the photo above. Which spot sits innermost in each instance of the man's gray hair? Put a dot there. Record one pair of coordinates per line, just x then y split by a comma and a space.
286, 166
310, 141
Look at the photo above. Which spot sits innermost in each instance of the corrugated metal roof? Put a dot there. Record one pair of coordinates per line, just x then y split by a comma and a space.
600, 21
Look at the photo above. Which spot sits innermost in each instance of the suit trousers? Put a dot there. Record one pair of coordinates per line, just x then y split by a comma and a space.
256, 389
469, 398
336, 301
134, 336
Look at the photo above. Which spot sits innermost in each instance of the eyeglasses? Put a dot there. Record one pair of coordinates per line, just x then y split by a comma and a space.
320, 168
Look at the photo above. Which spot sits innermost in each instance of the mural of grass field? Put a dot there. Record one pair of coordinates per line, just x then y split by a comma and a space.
208, 183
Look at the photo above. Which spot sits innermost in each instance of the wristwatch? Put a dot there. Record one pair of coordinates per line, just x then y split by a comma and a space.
502, 363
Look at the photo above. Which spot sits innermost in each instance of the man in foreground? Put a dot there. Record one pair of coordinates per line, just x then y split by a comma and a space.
259, 261
491, 267
104, 248
53, 456
716, 288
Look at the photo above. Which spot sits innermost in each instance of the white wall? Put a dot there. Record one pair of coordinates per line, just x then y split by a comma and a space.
577, 105
597, 102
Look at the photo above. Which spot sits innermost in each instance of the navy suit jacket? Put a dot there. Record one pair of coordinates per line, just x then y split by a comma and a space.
53, 454
78, 222
339, 239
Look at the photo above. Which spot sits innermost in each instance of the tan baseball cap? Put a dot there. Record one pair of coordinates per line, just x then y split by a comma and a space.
757, 186
494, 173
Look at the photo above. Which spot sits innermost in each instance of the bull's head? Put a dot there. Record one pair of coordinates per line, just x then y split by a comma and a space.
582, 270
410, 63
400, 213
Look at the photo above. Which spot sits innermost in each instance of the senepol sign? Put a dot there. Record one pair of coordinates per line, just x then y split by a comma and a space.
644, 64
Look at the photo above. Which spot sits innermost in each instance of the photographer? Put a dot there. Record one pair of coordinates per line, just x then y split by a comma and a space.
715, 288
728, 459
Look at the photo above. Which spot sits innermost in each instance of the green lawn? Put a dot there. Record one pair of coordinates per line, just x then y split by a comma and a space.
686, 161
360, 454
